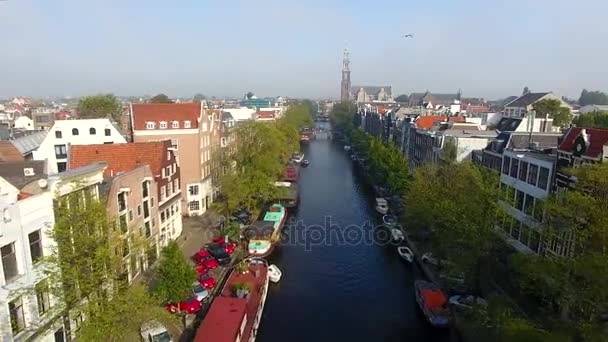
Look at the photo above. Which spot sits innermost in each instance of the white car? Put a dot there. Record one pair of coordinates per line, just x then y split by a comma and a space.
199, 291
154, 331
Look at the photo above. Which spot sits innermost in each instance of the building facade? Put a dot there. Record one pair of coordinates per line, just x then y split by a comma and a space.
368, 94
345, 83
66, 133
523, 105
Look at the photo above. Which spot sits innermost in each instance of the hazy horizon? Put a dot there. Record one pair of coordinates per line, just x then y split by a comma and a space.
291, 48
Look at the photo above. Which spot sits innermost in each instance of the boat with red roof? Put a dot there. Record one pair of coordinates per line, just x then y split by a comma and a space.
236, 312
433, 303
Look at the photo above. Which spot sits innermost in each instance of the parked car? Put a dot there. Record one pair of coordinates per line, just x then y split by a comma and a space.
218, 252
466, 301
190, 305
204, 258
228, 246
199, 291
154, 331
204, 278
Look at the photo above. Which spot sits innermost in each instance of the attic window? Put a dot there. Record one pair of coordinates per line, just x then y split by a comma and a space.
108, 132
92, 131
186, 124
163, 124
74, 131
175, 124
150, 125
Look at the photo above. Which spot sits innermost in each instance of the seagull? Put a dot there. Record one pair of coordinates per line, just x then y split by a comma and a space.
408, 36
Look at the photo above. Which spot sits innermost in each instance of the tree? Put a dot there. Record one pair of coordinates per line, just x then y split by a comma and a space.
526, 90
99, 106
553, 108
174, 276
249, 95
402, 98
597, 119
593, 97
199, 98
160, 98
341, 116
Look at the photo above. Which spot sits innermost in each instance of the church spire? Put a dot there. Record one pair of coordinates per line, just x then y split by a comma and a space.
345, 86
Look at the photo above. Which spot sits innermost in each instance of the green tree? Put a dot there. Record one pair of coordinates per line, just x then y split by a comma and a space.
99, 106
597, 119
160, 98
341, 116
402, 98
174, 276
593, 97
553, 108
199, 97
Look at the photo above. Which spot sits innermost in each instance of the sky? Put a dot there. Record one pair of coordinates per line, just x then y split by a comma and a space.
487, 48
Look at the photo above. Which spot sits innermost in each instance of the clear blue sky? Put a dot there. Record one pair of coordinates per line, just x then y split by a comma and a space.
286, 47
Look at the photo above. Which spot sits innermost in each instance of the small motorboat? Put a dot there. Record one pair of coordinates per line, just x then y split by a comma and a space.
381, 206
305, 163
397, 235
406, 254
389, 220
297, 157
274, 273
346, 148
433, 303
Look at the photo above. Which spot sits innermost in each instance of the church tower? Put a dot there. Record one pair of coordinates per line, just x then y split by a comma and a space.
345, 86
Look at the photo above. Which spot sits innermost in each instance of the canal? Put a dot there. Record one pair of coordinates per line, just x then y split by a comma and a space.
337, 285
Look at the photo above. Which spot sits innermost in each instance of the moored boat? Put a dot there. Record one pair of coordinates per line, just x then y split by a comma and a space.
433, 303
236, 312
381, 206
289, 195
389, 220
264, 235
406, 254
305, 163
397, 235
297, 157
274, 273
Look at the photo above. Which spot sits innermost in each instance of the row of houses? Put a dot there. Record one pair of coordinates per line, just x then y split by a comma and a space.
528, 153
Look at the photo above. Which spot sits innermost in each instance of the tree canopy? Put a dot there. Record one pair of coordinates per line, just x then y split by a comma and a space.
199, 97
402, 98
160, 98
175, 276
99, 106
342, 115
592, 97
561, 115
597, 119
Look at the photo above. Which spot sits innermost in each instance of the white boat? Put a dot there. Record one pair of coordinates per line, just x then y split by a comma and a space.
389, 220
297, 157
346, 148
397, 235
274, 273
406, 253
381, 206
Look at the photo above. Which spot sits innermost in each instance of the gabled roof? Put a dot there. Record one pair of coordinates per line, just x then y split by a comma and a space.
156, 112
526, 99
13, 172
508, 124
372, 90
30, 142
121, 157
598, 138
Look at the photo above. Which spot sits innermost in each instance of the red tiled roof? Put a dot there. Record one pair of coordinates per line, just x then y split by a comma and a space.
223, 320
121, 157
169, 112
8, 152
428, 121
597, 139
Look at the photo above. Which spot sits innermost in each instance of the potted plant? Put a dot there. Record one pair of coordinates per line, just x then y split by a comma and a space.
241, 290
242, 267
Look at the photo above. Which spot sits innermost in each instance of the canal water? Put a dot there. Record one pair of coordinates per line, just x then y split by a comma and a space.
337, 285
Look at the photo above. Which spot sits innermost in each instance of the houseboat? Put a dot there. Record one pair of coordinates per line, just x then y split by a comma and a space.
264, 235
289, 194
291, 174
236, 312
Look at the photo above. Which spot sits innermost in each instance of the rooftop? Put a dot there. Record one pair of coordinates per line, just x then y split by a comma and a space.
14, 172
169, 112
596, 139
526, 99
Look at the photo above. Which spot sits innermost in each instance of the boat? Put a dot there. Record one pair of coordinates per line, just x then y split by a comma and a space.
346, 148
291, 174
289, 196
389, 220
264, 235
406, 253
297, 157
274, 273
305, 163
397, 235
433, 303
237, 310
381, 206
304, 139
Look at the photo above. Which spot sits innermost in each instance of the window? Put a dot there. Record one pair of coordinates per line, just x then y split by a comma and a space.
61, 151
92, 131
35, 246
122, 201
543, 178
163, 124
514, 167
74, 131
176, 185
162, 173
150, 125
519, 200
506, 165
168, 171
9, 262
193, 190
107, 132
78, 321
194, 205
175, 124
62, 166
151, 202
146, 210
130, 215
174, 168
139, 210
58, 134
205, 126
162, 192
15, 308
145, 187
153, 223
533, 174
148, 230
42, 297
538, 210
122, 220
523, 171
162, 216
168, 155
529, 205
186, 124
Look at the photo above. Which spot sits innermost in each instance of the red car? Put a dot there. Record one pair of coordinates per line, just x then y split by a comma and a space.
228, 247
190, 305
204, 278
203, 258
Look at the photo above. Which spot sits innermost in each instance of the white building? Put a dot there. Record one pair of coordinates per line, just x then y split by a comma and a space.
24, 122
241, 114
55, 147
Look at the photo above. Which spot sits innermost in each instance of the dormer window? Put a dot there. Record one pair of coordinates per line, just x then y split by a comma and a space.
74, 131
175, 124
150, 125
186, 124
163, 124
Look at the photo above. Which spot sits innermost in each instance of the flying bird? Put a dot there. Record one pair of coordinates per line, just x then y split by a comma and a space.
408, 36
